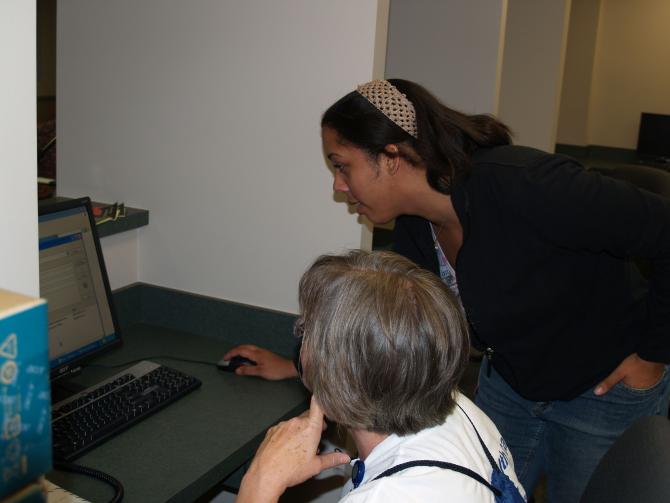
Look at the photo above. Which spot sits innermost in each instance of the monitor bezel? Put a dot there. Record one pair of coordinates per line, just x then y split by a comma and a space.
74, 365
642, 148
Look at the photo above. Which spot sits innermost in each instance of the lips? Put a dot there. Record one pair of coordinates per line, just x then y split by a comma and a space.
358, 206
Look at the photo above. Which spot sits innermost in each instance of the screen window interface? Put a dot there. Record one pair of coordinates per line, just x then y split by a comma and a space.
71, 280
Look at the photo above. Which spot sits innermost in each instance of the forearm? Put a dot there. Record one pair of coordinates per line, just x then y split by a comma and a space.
254, 489
287, 457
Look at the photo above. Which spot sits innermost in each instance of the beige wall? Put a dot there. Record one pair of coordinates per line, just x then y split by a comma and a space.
631, 72
578, 72
535, 37
503, 57
632, 69
449, 46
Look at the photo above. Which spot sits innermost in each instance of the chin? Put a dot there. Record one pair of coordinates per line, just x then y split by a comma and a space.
372, 216
379, 220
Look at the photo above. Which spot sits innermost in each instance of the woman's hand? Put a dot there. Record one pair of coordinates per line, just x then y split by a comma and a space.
287, 457
269, 365
634, 372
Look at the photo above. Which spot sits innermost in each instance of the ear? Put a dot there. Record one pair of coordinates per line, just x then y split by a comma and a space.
390, 158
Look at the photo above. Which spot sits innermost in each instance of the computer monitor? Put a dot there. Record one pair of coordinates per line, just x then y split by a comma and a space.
73, 280
653, 143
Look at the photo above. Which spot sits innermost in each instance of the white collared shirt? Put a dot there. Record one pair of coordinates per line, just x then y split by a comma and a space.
455, 441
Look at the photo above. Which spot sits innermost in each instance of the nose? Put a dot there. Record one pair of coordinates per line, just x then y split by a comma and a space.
339, 185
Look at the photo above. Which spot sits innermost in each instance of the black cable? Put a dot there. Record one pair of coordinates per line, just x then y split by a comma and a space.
165, 357
96, 474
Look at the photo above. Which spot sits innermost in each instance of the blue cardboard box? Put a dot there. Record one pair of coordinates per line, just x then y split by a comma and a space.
25, 405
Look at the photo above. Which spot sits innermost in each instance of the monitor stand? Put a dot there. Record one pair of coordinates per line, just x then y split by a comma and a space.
64, 387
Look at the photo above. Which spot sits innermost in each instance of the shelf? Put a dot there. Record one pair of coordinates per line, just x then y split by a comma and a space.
134, 219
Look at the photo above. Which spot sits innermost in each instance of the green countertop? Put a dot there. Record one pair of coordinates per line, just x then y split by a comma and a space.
186, 449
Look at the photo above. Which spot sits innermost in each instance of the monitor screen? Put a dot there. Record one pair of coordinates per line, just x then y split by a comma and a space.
654, 136
73, 280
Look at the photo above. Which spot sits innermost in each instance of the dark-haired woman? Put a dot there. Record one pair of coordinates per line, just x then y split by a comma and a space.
538, 250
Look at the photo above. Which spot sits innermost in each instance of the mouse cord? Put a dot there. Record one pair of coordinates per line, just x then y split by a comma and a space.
96, 474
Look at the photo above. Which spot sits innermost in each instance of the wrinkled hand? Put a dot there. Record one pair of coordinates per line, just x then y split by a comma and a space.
634, 372
269, 365
287, 457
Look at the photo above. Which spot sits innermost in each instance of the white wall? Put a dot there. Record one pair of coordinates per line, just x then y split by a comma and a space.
452, 47
19, 266
532, 71
121, 254
206, 113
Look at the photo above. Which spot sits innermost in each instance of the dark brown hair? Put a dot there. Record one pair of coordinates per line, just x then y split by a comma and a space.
446, 139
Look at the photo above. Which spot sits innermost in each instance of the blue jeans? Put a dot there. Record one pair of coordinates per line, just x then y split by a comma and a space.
565, 439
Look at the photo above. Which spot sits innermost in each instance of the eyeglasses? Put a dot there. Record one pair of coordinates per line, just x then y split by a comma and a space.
299, 327
299, 332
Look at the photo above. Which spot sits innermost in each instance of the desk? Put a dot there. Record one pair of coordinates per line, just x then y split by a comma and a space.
186, 449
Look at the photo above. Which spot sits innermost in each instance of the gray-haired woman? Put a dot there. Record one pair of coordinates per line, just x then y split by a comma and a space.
384, 345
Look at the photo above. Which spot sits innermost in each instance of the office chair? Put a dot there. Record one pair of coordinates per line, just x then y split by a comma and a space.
635, 468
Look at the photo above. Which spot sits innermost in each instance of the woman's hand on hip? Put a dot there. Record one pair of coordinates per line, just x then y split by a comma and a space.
634, 372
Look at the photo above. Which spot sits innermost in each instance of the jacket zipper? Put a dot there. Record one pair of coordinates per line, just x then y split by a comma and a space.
489, 356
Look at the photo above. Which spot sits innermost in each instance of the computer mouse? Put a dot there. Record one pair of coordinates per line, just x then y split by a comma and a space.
235, 362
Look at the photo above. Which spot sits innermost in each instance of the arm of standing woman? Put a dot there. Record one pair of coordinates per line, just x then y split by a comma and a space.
612, 216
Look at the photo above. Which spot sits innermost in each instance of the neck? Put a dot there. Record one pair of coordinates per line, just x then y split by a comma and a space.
424, 201
366, 441
436, 208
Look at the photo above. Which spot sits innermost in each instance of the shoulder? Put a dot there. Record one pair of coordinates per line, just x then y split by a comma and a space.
526, 180
491, 437
521, 162
513, 155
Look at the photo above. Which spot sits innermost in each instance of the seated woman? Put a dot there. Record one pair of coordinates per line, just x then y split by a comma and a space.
384, 344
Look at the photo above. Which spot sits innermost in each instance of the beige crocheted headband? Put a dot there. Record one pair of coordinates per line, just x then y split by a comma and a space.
392, 103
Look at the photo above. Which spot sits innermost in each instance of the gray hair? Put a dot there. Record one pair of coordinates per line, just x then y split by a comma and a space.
385, 342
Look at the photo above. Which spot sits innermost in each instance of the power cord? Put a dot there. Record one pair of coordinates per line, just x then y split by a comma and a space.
96, 474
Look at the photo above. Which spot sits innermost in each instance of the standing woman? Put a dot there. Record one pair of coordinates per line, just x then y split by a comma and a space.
539, 252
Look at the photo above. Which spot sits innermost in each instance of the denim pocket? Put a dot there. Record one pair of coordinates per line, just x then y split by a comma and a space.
644, 391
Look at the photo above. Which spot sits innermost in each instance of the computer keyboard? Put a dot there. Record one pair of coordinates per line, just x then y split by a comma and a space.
92, 416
